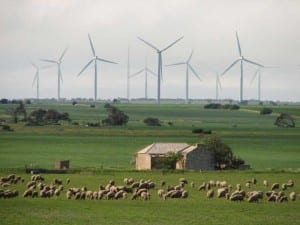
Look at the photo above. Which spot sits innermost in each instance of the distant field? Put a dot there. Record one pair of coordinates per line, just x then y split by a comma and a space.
251, 136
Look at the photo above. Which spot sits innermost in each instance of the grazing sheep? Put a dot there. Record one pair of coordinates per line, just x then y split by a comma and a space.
184, 194
162, 183
202, 186
161, 192
69, 194
68, 181
210, 193
110, 195
119, 194
238, 187
192, 184
254, 196
248, 184
254, 180
35, 194
212, 183
265, 183
145, 195
27, 193
292, 196
275, 186
183, 180
236, 197
223, 184
290, 183
284, 187
222, 192
31, 184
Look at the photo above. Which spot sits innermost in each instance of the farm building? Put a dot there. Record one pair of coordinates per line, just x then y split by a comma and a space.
195, 157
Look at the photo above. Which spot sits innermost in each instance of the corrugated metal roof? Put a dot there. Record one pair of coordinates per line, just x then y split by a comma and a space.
163, 148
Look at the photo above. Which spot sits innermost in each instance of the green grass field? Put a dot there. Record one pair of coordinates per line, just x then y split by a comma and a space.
107, 153
251, 136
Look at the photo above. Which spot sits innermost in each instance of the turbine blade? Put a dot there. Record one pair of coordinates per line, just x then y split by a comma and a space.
104, 60
175, 64
190, 56
35, 77
34, 65
169, 46
147, 43
219, 82
86, 66
133, 75
194, 72
48, 60
229, 67
45, 67
238, 43
247, 60
92, 47
255, 75
150, 71
62, 55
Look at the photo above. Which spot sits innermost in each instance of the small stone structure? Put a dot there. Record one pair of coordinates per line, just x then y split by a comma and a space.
195, 157
62, 164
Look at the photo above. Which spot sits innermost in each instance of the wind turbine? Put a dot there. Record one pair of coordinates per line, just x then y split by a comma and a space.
159, 67
94, 59
36, 78
188, 67
257, 74
59, 75
242, 60
146, 70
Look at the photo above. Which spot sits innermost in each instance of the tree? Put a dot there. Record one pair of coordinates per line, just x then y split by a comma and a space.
222, 152
19, 110
285, 120
171, 158
115, 116
152, 121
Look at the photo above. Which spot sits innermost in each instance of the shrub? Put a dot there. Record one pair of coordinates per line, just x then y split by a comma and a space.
44, 117
234, 107
115, 116
197, 131
6, 128
74, 103
92, 106
150, 121
285, 120
265, 111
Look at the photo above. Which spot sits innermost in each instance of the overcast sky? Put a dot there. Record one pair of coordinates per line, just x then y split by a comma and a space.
33, 29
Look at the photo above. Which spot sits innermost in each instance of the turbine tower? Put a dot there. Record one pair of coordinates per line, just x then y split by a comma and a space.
218, 86
257, 74
188, 67
94, 59
242, 60
36, 78
146, 70
59, 75
159, 66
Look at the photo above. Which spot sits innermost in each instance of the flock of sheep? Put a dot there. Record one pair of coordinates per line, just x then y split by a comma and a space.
37, 187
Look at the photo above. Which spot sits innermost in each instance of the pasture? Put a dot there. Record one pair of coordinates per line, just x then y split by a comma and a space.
105, 153
250, 135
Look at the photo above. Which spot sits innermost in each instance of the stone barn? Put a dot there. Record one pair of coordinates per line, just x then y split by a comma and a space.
195, 157
62, 164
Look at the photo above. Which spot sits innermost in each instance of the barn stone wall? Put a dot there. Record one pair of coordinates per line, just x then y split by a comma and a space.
143, 162
200, 159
